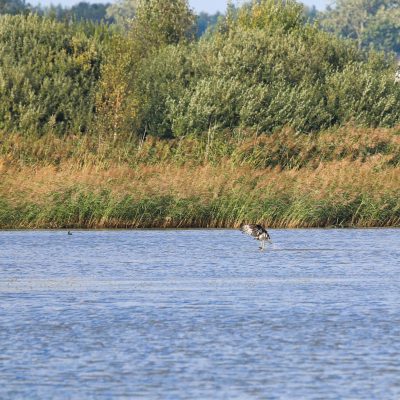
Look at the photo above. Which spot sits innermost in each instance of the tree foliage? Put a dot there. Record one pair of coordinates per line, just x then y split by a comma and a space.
122, 11
158, 23
14, 7
48, 72
96, 12
369, 22
132, 71
206, 21
268, 69
263, 67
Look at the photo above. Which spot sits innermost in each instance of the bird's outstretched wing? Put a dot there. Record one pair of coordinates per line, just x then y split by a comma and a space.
252, 230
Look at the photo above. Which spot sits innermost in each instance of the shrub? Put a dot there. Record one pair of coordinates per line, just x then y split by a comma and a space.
267, 69
48, 74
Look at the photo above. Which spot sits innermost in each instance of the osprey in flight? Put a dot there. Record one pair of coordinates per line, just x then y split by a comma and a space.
258, 232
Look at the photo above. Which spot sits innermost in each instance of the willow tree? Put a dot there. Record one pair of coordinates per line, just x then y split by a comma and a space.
128, 100
48, 74
158, 23
159, 26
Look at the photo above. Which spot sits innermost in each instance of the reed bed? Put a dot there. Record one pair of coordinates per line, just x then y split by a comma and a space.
344, 178
285, 149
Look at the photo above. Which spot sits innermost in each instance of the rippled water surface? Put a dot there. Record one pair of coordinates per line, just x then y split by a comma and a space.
200, 314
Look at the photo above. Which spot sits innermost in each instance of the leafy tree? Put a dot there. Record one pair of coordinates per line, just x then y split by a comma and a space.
48, 74
14, 7
158, 23
122, 11
205, 21
262, 68
269, 70
91, 12
270, 15
158, 26
128, 99
369, 22
116, 108
96, 12
311, 13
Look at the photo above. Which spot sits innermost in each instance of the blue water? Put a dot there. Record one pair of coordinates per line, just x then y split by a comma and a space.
200, 314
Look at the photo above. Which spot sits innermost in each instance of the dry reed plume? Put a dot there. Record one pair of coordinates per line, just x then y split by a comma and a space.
341, 178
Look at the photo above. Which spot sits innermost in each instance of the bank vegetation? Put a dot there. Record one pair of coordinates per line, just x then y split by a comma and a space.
266, 118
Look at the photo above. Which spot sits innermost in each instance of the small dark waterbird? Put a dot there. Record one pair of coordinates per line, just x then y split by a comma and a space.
258, 232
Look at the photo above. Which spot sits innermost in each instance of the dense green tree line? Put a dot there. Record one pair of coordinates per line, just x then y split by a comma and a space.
82, 11
48, 74
13, 7
116, 13
263, 67
371, 23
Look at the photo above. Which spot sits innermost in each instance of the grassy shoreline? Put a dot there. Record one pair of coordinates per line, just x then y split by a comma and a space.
32, 216
344, 178
342, 193
265, 119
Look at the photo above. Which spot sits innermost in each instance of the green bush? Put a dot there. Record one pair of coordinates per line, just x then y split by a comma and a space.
266, 69
260, 76
161, 80
48, 74
261, 69
364, 96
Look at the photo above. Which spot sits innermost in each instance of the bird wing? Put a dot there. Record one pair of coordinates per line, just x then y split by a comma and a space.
252, 230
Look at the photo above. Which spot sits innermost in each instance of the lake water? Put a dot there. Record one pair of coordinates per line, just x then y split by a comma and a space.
200, 314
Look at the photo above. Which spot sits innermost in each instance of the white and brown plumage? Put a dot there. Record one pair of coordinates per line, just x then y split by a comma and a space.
258, 232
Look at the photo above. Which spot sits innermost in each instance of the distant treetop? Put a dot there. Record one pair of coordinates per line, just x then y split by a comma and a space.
371, 23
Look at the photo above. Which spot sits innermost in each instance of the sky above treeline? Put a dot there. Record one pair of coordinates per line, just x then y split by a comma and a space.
210, 6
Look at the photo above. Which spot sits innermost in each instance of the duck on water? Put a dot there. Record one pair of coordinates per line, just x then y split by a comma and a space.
258, 232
